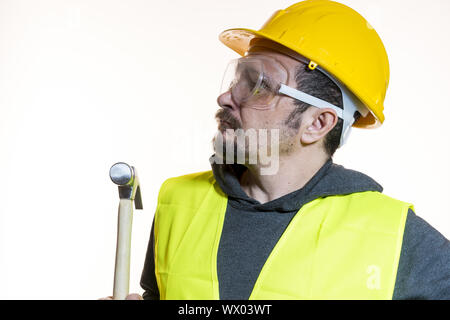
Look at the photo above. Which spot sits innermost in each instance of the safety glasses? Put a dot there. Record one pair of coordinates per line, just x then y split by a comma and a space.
256, 81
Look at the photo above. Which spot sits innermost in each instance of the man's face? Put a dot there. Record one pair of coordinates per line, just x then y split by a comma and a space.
235, 115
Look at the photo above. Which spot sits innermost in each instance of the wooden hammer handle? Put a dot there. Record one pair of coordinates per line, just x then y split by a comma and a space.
122, 268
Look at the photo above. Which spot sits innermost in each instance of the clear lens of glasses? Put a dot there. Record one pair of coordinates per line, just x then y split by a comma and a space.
254, 81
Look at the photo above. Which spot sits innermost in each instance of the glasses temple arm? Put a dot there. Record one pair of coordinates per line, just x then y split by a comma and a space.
311, 100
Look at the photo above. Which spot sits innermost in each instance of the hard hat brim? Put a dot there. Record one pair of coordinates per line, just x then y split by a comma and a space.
238, 39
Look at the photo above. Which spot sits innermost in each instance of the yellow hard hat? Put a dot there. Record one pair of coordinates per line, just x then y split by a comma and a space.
334, 37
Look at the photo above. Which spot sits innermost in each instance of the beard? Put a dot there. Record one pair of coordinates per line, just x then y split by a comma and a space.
235, 145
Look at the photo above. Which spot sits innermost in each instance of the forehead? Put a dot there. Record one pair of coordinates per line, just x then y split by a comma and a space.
286, 61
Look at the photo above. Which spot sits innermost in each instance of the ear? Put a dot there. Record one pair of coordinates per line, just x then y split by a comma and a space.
317, 126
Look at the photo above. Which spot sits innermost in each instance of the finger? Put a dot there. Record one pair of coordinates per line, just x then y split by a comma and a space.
133, 296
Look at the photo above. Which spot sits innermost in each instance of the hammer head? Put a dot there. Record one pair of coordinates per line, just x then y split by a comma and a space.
125, 176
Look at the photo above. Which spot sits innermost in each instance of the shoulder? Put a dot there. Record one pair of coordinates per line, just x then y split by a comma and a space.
340, 180
375, 201
424, 267
191, 177
185, 185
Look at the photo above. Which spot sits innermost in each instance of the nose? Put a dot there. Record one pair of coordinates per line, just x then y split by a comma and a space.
226, 101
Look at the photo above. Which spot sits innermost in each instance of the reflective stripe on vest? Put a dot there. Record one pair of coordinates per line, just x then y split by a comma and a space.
337, 247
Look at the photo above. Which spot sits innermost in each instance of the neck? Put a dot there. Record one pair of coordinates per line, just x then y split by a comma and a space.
294, 172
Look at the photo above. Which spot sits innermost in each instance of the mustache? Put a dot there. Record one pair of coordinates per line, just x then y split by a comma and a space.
225, 115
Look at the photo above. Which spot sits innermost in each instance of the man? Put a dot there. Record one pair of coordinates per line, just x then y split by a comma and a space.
309, 229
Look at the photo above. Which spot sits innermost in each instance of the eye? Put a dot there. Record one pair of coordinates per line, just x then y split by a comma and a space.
265, 83
264, 87
251, 76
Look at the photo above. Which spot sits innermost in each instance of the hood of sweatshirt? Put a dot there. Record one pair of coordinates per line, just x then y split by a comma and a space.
331, 179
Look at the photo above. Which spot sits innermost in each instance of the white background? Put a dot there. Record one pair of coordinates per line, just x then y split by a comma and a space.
84, 84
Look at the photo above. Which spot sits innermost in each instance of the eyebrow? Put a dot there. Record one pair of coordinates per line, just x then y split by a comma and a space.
248, 70
264, 81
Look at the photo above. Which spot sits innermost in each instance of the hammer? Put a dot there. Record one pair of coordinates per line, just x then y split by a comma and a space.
126, 178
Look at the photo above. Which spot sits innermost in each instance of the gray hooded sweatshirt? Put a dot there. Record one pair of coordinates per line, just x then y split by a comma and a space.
251, 230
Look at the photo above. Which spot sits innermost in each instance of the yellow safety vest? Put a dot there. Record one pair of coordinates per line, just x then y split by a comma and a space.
337, 247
